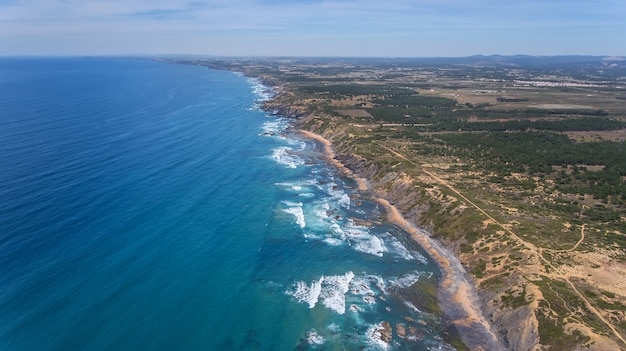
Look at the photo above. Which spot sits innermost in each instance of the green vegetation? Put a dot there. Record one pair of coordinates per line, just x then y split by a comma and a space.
514, 299
406, 101
545, 161
351, 90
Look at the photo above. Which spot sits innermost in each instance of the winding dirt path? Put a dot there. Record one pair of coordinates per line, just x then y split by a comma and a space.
534, 249
582, 237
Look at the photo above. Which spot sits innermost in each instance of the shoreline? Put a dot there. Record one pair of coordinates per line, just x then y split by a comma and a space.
457, 294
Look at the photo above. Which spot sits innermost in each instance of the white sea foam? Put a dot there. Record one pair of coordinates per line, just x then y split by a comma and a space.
313, 338
330, 289
358, 237
274, 127
399, 249
263, 92
412, 306
297, 186
406, 280
313, 236
362, 240
379, 282
306, 293
344, 200
361, 286
337, 195
295, 208
374, 337
302, 188
420, 257
301, 145
372, 245
284, 156
321, 210
333, 241
334, 291
337, 231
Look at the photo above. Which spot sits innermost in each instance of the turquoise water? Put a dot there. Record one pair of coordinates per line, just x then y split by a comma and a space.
153, 206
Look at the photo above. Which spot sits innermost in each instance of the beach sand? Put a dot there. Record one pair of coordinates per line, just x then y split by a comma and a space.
362, 183
457, 294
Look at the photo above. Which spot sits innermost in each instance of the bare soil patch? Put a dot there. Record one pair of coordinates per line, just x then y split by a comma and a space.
601, 135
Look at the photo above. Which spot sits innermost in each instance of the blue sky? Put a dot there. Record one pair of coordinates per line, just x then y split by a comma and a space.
312, 27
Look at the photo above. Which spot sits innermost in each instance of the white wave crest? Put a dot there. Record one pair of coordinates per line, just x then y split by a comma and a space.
344, 200
372, 245
274, 127
406, 280
399, 249
295, 209
337, 195
284, 156
330, 289
362, 240
263, 92
306, 293
333, 241
361, 286
334, 291
297, 186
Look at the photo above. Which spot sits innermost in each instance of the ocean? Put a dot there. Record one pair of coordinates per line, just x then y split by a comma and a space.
154, 206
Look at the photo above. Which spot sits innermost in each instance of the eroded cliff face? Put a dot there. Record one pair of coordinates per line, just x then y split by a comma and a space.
507, 301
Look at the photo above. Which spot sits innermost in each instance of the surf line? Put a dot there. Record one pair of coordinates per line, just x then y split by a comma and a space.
464, 309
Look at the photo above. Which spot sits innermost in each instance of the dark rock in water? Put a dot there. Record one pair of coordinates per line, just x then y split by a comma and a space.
386, 332
382, 333
421, 322
401, 330
414, 334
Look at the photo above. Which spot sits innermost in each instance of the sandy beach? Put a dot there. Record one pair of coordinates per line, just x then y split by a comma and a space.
362, 183
457, 294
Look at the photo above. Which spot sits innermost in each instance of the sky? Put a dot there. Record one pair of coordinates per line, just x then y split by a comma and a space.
372, 28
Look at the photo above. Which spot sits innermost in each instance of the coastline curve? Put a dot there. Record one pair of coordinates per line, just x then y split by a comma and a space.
458, 297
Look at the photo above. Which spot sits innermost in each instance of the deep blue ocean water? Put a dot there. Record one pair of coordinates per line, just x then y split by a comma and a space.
154, 206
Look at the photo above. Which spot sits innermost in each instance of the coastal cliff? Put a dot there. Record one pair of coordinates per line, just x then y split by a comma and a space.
501, 291
515, 326
541, 249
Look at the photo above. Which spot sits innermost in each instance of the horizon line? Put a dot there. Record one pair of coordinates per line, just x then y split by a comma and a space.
305, 56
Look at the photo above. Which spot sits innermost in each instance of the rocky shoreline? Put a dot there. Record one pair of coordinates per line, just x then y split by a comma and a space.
458, 298
509, 281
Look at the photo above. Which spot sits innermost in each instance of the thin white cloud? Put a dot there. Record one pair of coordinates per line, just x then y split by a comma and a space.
282, 22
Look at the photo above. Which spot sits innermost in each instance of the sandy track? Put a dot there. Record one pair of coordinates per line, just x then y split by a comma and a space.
534, 249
